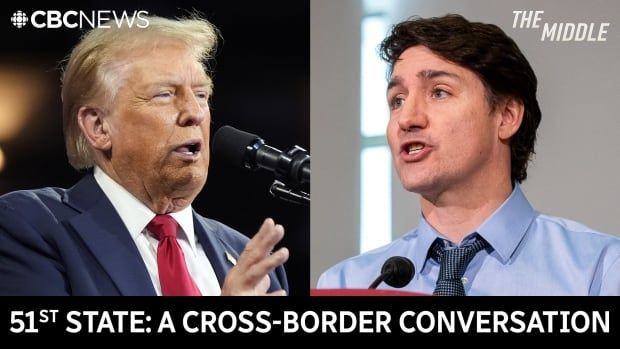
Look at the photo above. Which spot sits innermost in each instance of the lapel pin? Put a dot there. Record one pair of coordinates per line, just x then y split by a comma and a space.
230, 258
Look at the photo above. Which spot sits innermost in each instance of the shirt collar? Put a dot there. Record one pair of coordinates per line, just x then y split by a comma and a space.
503, 230
507, 226
135, 215
426, 237
185, 218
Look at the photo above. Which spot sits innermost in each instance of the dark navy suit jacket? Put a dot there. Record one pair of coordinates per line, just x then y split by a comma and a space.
72, 242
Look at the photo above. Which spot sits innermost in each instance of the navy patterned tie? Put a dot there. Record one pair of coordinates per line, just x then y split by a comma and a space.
453, 263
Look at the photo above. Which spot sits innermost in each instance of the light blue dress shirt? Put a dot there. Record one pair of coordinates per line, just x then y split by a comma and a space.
529, 254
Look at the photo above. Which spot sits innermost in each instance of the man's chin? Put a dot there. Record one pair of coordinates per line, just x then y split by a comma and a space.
186, 178
417, 186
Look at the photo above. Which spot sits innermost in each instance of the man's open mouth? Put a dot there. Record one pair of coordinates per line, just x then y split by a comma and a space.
415, 148
190, 148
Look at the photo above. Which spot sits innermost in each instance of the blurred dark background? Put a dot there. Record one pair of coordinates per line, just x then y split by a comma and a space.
261, 76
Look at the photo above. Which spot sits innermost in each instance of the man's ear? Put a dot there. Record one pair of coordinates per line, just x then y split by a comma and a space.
94, 127
511, 115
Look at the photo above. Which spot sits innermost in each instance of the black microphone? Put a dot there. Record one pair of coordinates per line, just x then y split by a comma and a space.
397, 272
247, 150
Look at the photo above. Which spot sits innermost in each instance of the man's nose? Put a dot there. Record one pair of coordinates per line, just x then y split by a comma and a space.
413, 114
192, 113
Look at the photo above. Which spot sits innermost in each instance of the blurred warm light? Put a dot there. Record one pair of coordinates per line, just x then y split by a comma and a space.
21, 92
1, 160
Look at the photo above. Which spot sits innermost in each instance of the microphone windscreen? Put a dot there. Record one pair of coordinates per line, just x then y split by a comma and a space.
400, 271
230, 145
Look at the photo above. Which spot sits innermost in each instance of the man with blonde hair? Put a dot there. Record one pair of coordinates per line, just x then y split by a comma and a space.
136, 117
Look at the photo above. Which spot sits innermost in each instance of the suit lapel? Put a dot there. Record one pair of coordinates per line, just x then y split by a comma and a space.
103, 231
220, 254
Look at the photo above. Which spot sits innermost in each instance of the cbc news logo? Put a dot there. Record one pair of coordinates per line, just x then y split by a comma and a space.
53, 19
19, 19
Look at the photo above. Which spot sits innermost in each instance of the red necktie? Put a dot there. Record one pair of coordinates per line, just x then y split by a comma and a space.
173, 275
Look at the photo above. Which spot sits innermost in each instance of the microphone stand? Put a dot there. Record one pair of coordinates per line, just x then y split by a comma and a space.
377, 281
290, 170
280, 190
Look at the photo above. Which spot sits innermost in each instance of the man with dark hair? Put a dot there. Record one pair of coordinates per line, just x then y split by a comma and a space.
462, 128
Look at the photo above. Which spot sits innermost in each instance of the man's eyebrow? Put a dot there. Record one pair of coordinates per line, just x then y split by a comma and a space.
172, 82
394, 81
429, 74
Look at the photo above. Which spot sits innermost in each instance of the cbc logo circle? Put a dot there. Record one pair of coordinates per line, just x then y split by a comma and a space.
19, 19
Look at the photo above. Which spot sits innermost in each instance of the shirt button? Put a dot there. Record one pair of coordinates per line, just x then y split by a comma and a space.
464, 280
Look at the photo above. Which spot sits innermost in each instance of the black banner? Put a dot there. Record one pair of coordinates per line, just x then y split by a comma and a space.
306, 317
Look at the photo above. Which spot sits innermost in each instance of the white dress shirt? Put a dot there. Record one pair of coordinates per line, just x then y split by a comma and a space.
135, 215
